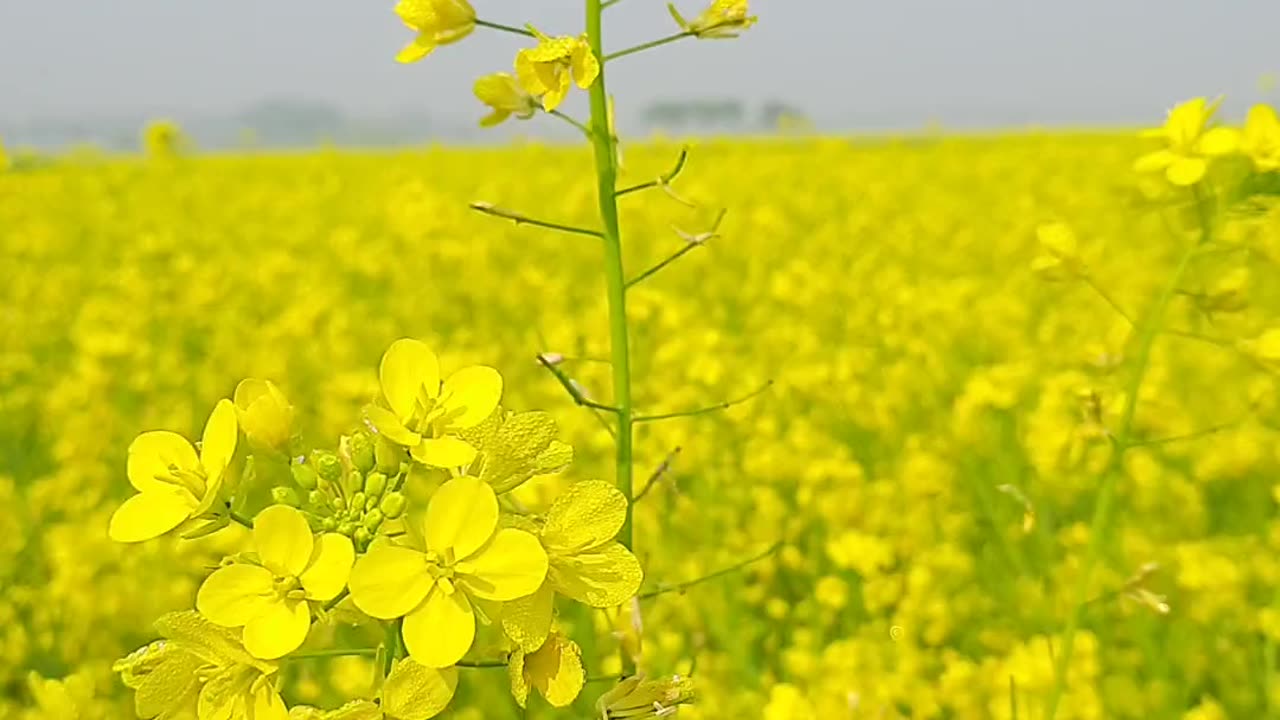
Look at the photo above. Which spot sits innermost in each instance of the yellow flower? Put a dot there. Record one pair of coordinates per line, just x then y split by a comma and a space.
422, 413
516, 446
411, 692
1061, 259
199, 670
723, 20
265, 414
585, 563
501, 93
1190, 143
555, 670
546, 70
437, 22
1264, 349
270, 599
453, 557
1261, 138
173, 484
635, 698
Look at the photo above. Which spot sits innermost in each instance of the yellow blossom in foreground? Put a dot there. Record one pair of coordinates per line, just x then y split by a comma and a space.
437, 22
635, 697
585, 562
270, 599
424, 414
505, 97
456, 556
548, 70
173, 483
265, 413
555, 670
411, 692
1189, 143
723, 20
199, 671
1261, 138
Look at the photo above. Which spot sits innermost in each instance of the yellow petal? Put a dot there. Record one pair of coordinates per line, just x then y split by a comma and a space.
585, 66
1219, 141
527, 620
283, 539
151, 454
603, 577
495, 118
329, 568
470, 395
390, 427
414, 691
1154, 162
267, 704
264, 413
279, 631
588, 514
150, 514
219, 441
461, 517
440, 631
512, 565
515, 673
1187, 171
443, 452
556, 95
171, 682
219, 696
422, 46
235, 594
408, 368
556, 670
389, 581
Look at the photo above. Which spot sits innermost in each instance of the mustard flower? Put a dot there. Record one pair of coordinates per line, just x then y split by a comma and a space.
723, 20
585, 563
269, 598
636, 698
548, 70
173, 483
424, 414
554, 670
411, 692
504, 96
1190, 143
1260, 140
1061, 257
437, 22
265, 415
200, 671
448, 560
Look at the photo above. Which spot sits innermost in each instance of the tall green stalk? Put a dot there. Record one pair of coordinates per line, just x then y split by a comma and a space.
603, 142
1124, 441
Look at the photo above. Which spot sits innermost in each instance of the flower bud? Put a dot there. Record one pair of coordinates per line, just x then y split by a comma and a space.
347, 528
387, 455
362, 537
328, 466
357, 502
374, 484
361, 446
353, 483
371, 503
264, 413
373, 520
392, 505
305, 476
338, 503
285, 496
315, 498
328, 524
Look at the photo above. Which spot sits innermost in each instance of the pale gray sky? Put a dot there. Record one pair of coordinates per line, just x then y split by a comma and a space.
848, 62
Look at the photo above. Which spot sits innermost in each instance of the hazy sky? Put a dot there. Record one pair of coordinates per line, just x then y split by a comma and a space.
847, 62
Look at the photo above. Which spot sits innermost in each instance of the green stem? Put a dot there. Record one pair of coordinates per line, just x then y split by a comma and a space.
504, 28
333, 652
391, 645
240, 519
1124, 441
648, 46
602, 141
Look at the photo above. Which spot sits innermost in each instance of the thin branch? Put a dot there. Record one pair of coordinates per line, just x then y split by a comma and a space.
649, 45
581, 128
703, 411
333, 652
1106, 296
518, 219
657, 475
238, 518
571, 387
504, 28
687, 247
337, 599
1194, 435
663, 180
682, 586
605, 6
690, 242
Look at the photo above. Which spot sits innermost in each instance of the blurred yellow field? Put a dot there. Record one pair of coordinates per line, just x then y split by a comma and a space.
927, 455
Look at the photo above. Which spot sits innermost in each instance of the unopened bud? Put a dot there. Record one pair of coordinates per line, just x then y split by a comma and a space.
285, 496
387, 455
353, 483
264, 413
338, 503
362, 537
371, 503
374, 484
373, 519
328, 466
347, 528
357, 502
315, 498
305, 476
361, 446
392, 505
328, 524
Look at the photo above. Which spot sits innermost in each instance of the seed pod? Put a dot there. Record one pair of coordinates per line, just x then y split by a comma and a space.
392, 505
374, 484
285, 496
361, 446
328, 466
305, 476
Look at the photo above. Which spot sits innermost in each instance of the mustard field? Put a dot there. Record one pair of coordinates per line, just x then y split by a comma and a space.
927, 347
